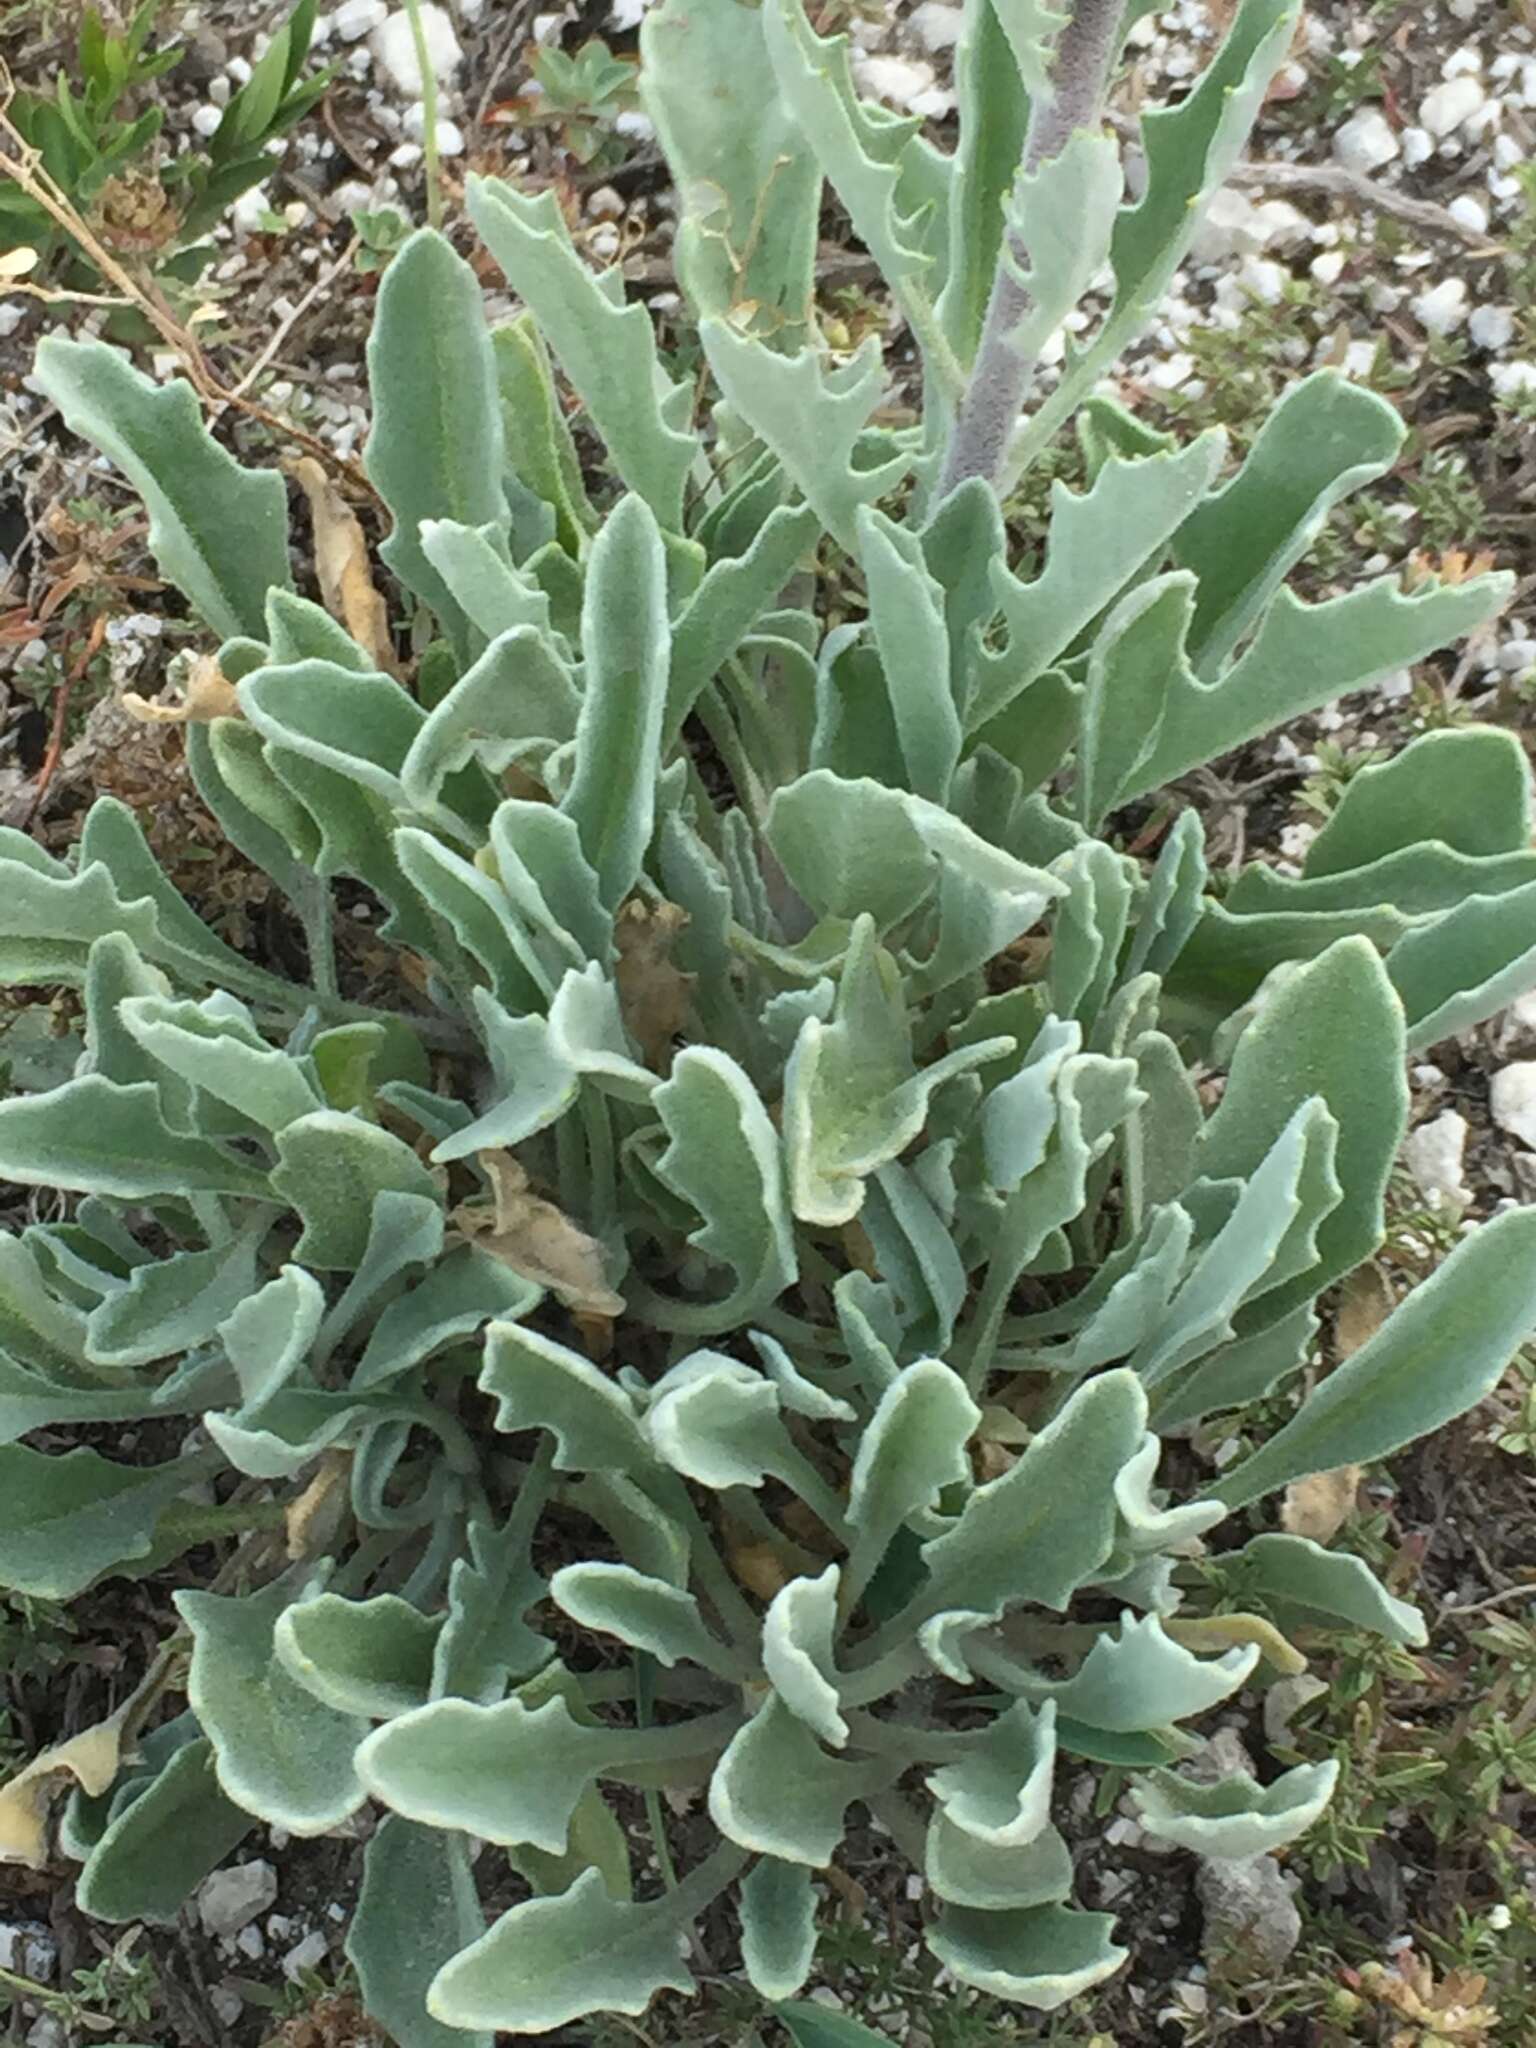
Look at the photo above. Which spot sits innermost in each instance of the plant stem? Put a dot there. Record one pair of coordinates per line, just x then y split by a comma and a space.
428, 113
1001, 376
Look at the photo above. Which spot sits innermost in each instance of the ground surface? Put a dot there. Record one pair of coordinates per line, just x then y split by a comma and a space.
1426, 1866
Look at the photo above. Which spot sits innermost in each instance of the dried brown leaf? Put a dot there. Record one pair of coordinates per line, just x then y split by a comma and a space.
654, 993
1319, 1505
313, 1518
1366, 1303
538, 1240
342, 564
90, 1758
209, 695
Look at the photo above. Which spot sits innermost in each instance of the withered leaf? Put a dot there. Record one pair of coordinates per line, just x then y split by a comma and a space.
209, 694
655, 995
537, 1239
342, 564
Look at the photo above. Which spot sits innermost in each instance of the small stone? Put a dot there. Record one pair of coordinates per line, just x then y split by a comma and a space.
1229, 227
227, 2005
47, 2032
1434, 1154
1222, 1757
938, 24
1492, 327
205, 120
1264, 279
1517, 657
1512, 1099
1514, 380
1251, 1921
1329, 267
1443, 307
1366, 141
309, 1954
30, 1950
1470, 212
1418, 147
232, 1898
395, 45
1287, 1696
1451, 105
1171, 372
605, 204
251, 1942
355, 19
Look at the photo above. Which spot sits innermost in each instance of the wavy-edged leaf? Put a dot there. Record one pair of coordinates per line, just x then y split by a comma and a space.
1000, 1790
99, 1138
66, 1520
606, 348
1040, 1956
282, 1754
1234, 1817
163, 1838
360, 1657
778, 1927
219, 532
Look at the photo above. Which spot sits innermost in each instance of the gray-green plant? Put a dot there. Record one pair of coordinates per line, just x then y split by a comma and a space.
726, 1316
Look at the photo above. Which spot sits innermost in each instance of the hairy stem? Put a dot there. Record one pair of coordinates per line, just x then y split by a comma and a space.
1001, 376
428, 113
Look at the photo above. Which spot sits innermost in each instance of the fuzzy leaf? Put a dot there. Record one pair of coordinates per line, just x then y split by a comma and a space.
746, 243
417, 1910
812, 417
1097, 540
646, 1613
1296, 1572
541, 1385
1325, 438
1234, 1817
553, 1960
161, 1842
70, 1519
723, 1159
626, 641
1141, 1679
516, 696
435, 448
1040, 1956
1447, 1346
282, 1755
778, 1927
1305, 655
1000, 1792
219, 532
360, 1657
606, 348
963, 1870
1048, 1524
777, 1791
332, 1169
906, 608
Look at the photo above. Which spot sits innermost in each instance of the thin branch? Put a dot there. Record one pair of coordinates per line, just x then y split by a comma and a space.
1340, 183
25, 167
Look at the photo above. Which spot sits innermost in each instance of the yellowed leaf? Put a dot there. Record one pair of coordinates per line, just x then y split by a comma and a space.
758, 1567
342, 564
1216, 1632
90, 1758
313, 1519
538, 1240
654, 993
1319, 1505
1365, 1304
209, 695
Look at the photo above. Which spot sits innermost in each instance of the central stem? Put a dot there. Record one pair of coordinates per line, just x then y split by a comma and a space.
1002, 373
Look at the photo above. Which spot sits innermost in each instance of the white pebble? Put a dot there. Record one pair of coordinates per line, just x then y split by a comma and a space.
395, 46
205, 120
1512, 1099
1359, 358
1418, 147
938, 24
309, 1955
1264, 279
1171, 372
1513, 380
1451, 105
231, 1898
1366, 141
1492, 327
605, 204
1517, 657
1462, 62
1329, 267
1470, 212
356, 18
1434, 1154
1443, 307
